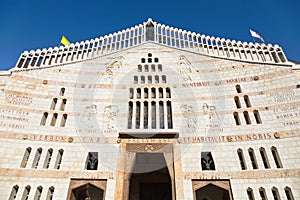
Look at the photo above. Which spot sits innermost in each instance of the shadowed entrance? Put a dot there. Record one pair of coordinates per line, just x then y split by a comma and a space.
150, 178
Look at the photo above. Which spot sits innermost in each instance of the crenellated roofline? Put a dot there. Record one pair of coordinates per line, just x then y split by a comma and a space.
157, 33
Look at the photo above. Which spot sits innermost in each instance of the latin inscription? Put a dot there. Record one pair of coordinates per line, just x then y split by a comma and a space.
10, 118
283, 96
18, 99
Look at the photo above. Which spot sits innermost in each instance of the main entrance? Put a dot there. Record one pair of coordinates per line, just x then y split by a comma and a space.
212, 190
148, 172
150, 179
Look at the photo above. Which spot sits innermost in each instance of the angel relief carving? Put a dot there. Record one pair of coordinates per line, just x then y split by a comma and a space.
185, 69
87, 117
213, 121
113, 68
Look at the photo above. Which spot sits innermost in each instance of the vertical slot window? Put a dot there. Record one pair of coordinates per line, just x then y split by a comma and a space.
276, 157
62, 92
238, 89
247, 118
13, 193
275, 193
37, 158
237, 102
38, 193
161, 115
48, 158
146, 95
153, 114
169, 115
54, 118
236, 118
264, 158
146, 110
247, 101
130, 114
241, 159
131, 93
250, 193
138, 115
25, 157
288, 193
50, 193
262, 193
59, 159
252, 158
53, 104
26, 193
44, 119
63, 104
257, 117
63, 120
153, 93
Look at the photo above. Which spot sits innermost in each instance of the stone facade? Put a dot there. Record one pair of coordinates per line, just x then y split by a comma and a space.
199, 116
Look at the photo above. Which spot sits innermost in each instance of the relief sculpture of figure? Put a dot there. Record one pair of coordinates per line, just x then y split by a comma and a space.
213, 117
87, 115
189, 115
110, 113
113, 68
185, 69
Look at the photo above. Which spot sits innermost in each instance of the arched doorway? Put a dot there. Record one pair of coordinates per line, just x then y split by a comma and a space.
212, 190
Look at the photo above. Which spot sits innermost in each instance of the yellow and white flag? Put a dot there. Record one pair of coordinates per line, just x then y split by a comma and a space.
64, 41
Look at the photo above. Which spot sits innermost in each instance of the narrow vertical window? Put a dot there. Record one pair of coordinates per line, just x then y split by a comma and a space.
153, 95
138, 115
149, 79
156, 79
247, 101
62, 92
275, 193
59, 159
25, 157
160, 93
131, 93
238, 89
250, 193
159, 67
53, 104
161, 115
146, 115
44, 119
146, 68
168, 93
48, 158
139, 68
264, 158
152, 68
13, 193
247, 118
135, 80
26, 193
257, 117
146, 95
241, 158
276, 157
262, 193
153, 114
288, 193
169, 115
252, 158
130, 112
138, 93
236, 118
156, 60
143, 60
63, 104
142, 79
50, 193
163, 79
54, 118
63, 120
149, 60
237, 102
37, 158
38, 193
150, 32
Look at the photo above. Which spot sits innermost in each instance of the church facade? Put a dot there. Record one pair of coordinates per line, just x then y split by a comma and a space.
151, 112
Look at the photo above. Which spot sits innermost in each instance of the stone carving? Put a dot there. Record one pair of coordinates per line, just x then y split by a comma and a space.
113, 68
189, 115
149, 148
207, 162
213, 117
110, 113
185, 69
87, 115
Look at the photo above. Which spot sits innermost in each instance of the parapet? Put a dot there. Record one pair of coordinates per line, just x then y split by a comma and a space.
153, 32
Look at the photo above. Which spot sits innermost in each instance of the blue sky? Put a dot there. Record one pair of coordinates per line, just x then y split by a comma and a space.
34, 24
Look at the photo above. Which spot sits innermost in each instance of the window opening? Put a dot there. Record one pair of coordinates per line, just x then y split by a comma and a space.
237, 102
44, 119
54, 118
63, 104
247, 118
275, 193
53, 104
50, 193
59, 159
247, 101
26, 193
153, 114
252, 158
207, 162
236, 118
276, 157
37, 158
48, 158
169, 115
257, 117
262, 193
62, 92
264, 157
92, 161
238, 89
13, 193
38, 193
138, 115
26, 157
146, 115
288, 193
241, 158
250, 194
63, 120
130, 112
